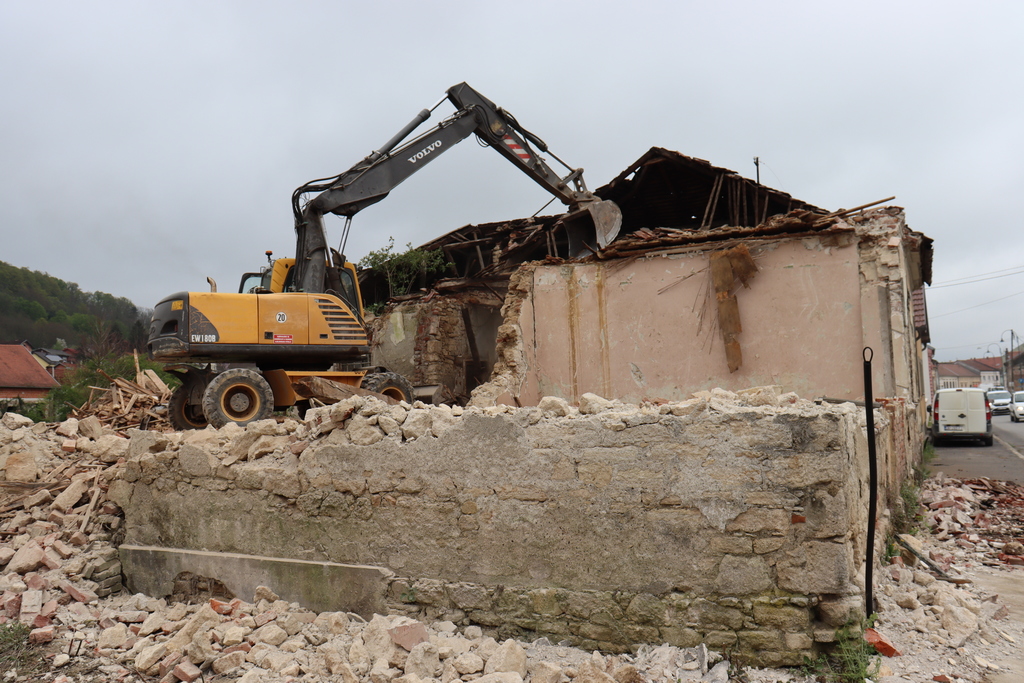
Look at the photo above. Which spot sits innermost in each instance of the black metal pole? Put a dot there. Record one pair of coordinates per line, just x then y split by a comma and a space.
869, 409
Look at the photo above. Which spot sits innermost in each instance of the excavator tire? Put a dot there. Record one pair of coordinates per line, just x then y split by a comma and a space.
238, 395
390, 384
182, 414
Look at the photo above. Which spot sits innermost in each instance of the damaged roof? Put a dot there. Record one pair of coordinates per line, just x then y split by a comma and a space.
666, 198
666, 189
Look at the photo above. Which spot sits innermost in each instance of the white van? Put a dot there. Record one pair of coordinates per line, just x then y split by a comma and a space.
961, 414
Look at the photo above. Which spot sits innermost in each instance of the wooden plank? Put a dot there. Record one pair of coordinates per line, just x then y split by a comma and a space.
729, 316
156, 381
722, 276
733, 356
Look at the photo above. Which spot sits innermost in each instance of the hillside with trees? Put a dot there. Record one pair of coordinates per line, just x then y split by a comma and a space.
51, 313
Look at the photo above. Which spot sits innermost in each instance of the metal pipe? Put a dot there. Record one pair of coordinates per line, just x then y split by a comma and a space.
869, 400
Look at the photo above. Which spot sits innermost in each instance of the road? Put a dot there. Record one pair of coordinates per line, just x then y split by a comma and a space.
1004, 460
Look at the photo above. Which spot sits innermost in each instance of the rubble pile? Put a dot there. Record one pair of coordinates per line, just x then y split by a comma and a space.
364, 420
940, 624
138, 638
985, 518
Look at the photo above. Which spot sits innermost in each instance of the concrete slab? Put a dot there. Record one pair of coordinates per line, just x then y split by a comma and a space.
319, 586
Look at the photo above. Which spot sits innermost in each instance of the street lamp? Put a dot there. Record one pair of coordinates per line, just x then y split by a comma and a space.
1010, 354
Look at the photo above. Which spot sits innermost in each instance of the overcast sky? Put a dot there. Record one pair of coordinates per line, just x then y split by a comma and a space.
147, 145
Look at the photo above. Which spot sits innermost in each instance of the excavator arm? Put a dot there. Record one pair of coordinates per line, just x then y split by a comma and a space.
370, 180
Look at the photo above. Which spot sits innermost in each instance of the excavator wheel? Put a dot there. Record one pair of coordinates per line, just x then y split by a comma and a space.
182, 414
390, 384
238, 395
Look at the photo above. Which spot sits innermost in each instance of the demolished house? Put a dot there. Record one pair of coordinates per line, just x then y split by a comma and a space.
714, 281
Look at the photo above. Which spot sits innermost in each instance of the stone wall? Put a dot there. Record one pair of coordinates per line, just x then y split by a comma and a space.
733, 519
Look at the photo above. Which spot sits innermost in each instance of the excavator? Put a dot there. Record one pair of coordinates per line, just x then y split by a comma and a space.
303, 317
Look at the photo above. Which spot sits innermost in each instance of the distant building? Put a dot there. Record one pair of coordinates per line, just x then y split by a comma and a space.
990, 371
21, 375
956, 375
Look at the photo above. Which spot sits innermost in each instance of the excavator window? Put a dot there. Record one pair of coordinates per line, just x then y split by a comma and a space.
348, 289
250, 282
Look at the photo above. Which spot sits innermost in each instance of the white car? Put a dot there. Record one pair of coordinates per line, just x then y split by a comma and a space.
999, 399
1017, 407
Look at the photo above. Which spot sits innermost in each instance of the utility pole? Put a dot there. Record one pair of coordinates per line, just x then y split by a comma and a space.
1010, 356
1009, 361
757, 166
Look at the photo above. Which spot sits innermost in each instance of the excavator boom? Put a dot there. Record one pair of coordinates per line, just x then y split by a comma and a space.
373, 178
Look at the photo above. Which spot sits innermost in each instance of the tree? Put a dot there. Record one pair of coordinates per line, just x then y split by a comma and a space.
402, 270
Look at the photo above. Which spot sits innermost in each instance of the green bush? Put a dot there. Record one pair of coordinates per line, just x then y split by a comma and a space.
402, 270
851, 660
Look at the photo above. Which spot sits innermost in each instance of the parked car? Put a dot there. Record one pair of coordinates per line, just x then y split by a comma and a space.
999, 399
962, 414
1017, 407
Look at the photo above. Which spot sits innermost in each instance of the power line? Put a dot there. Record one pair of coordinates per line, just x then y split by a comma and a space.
932, 317
980, 277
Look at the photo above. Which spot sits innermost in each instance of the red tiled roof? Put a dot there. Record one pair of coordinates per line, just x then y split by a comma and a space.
955, 370
19, 370
983, 364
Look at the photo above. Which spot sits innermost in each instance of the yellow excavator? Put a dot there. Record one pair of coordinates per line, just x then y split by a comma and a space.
303, 317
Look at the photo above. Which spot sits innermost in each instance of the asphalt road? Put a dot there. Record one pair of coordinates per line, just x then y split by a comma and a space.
1004, 460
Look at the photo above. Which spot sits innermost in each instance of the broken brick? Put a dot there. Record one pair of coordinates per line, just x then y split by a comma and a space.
78, 538
36, 582
169, 662
79, 594
41, 635
221, 607
62, 548
265, 618
186, 671
11, 604
51, 559
880, 643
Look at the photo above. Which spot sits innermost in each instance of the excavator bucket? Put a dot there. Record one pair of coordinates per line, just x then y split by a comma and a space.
594, 225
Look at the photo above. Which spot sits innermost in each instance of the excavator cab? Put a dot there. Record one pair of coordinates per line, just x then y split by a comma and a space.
272, 278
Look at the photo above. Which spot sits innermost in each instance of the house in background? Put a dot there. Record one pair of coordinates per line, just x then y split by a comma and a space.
990, 371
21, 375
55, 362
957, 375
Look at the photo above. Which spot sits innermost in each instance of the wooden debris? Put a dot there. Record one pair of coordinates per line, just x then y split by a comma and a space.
128, 405
726, 267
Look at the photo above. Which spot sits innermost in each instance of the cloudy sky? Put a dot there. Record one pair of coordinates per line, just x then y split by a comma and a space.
145, 146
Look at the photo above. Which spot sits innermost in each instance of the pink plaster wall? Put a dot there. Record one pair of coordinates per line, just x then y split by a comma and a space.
632, 330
